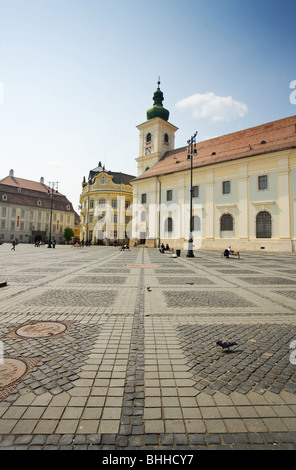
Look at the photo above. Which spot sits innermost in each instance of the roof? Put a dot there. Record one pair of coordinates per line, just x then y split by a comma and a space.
271, 137
25, 184
26, 193
117, 177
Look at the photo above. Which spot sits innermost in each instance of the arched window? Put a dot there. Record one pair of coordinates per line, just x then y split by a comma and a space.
195, 223
226, 223
263, 225
166, 138
148, 137
168, 225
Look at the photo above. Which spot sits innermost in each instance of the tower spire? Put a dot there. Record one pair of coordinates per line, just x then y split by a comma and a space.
158, 110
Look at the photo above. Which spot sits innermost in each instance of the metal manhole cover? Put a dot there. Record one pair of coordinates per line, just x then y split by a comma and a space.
143, 265
44, 329
12, 372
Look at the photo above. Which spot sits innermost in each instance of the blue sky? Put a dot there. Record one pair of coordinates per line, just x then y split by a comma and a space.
77, 77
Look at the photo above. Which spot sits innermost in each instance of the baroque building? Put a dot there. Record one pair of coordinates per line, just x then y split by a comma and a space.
105, 205
243, 187
30, 210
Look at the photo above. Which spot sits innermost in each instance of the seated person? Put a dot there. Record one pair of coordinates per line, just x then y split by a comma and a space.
161, 249
226, 253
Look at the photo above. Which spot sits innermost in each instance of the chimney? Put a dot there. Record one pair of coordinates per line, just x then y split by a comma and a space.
11, 173
42, 180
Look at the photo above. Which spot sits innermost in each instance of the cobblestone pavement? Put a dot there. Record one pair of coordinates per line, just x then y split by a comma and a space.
95, 360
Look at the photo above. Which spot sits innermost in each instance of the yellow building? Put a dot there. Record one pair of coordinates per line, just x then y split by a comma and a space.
106, 202
243, 187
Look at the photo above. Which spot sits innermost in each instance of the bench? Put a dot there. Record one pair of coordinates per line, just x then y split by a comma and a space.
231, 253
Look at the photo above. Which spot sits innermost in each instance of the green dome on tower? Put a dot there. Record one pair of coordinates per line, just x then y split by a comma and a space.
158, 110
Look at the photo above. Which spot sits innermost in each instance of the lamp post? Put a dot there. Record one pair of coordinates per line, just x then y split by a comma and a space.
191, 152
53, 187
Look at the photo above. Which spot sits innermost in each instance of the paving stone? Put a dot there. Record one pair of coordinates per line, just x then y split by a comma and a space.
118, 335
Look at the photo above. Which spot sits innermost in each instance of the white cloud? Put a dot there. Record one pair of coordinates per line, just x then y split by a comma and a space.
217, 108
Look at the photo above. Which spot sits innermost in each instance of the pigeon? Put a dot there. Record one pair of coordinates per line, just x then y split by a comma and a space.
226, 344
148, 288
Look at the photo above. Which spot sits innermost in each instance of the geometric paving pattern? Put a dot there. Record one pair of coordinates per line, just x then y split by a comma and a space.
259, 362
181, 299
59, 357
63, 297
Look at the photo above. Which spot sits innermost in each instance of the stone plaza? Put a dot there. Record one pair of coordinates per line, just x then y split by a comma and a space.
94, 359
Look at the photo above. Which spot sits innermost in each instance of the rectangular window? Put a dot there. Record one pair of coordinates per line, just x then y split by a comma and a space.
101, 202
3, 211
143, 198
114, 203
195, 191
262, 182
13, 213
114, 218
169, 195
226, 187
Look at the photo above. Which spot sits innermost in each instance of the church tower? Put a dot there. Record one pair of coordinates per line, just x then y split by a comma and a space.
157, 135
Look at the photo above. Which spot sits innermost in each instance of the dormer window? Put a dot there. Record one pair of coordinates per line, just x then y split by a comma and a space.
39, 203
103, 180
4, 197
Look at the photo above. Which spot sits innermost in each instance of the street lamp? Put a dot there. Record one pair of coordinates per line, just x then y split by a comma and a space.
191, 152
53, 186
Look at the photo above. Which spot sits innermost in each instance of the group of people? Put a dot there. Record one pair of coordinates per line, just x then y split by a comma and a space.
163, 248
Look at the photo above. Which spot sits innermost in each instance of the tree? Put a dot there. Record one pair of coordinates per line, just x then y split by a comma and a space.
68, 234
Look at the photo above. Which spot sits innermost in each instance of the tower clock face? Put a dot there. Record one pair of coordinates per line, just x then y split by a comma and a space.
148, 151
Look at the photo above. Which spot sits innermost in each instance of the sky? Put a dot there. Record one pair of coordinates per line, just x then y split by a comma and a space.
77, 77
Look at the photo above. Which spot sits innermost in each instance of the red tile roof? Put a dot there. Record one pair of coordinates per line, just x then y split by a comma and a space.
266, 138
25, 184
30, 193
